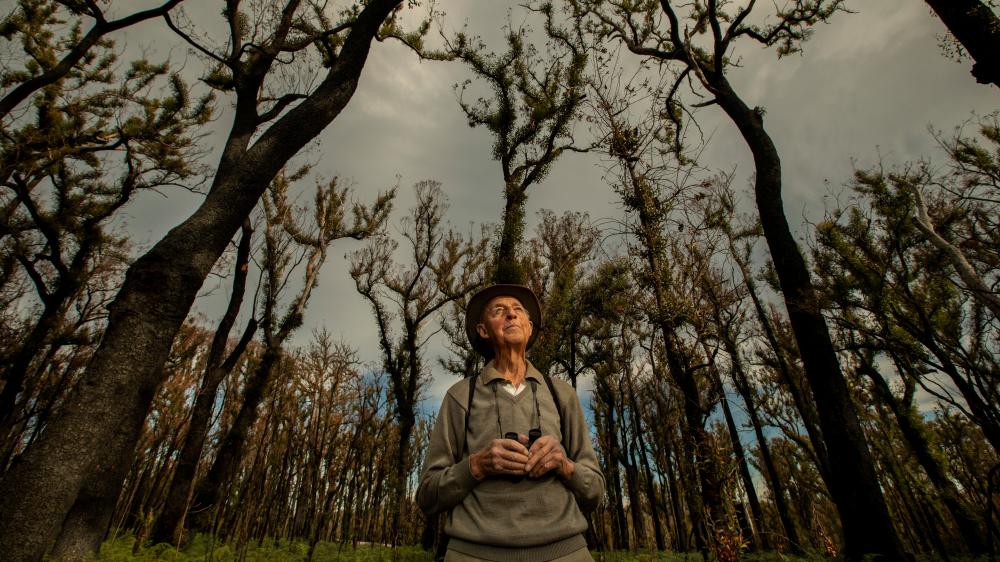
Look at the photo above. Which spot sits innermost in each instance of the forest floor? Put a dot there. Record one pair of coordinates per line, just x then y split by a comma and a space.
203, 549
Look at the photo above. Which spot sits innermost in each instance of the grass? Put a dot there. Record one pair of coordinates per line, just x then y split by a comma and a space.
203, 549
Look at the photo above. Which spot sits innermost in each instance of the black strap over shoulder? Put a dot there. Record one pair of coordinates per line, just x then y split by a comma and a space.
474, 380
552, 391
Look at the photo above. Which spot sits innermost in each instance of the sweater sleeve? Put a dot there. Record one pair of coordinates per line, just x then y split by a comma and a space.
587, 482
444, 482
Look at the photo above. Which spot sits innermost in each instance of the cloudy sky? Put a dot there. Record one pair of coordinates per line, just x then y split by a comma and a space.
870, 83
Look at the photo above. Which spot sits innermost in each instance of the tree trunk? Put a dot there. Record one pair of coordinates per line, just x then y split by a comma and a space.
507, 260
637, 430
231, 452
742, 384
854, 483
759, 537
88, 521
977, 28
968, 525
169, 525
803, 402
634, 493
105, 415
619, 522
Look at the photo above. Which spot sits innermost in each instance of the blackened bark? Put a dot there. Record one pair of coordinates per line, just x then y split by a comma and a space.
88, 520
206, 495
106, 413
977, 28
968, 525
169, 524
759, 536
854, 484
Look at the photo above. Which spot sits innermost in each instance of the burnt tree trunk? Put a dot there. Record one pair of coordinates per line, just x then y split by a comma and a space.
968, 525
169, 524
977, 28
854, 484
759, 537
206, 495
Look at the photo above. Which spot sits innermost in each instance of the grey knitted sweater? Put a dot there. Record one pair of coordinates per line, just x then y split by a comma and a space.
496, 518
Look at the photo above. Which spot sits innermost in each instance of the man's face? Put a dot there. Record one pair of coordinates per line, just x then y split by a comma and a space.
505, 323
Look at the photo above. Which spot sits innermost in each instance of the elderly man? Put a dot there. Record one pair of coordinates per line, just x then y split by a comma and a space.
510, 458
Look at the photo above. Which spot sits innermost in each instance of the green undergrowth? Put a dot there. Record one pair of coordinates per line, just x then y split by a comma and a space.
660, 556
204, 549
207, 549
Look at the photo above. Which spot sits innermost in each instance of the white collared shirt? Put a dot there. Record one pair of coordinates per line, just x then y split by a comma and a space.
514, 390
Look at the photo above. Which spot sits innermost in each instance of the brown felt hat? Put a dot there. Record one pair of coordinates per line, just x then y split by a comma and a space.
474, 312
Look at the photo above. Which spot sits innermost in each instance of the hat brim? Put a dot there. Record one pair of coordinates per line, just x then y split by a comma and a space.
474, 312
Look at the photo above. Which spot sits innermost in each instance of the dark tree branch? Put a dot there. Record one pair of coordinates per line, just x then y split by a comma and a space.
102, 28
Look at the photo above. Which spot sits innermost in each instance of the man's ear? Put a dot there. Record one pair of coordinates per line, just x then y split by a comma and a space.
531, 328
481, 330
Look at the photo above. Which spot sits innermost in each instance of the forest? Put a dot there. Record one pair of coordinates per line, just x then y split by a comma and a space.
809, 371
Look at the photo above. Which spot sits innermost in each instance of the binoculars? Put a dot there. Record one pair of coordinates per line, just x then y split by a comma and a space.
533, 435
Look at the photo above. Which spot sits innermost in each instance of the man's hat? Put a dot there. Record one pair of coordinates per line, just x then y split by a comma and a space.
474, 312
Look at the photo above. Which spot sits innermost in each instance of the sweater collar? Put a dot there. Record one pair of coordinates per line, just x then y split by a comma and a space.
489, 374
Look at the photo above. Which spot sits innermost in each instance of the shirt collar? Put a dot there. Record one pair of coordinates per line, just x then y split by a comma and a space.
490, 374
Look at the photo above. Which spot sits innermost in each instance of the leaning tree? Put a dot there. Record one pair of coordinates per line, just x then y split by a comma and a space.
83, 455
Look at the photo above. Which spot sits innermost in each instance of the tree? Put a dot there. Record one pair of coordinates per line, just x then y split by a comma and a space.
702, 52
284, 231
98, 137
219, 363
530, 117
576, 295
974, 24
99, 427
651, 188
443, 267
46, 67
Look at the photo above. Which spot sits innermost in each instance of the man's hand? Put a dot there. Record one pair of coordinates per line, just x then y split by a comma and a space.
502, 457
547, 454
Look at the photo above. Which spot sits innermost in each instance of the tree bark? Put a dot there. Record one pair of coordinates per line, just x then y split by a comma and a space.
106, 413
169, 524
759, 538
854, 485
969, 526
206, 494
508, 261
977, 28
804, 403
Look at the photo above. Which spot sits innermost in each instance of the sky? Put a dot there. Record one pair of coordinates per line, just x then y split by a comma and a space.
871, 83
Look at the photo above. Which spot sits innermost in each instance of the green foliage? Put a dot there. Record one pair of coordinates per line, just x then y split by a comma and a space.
205, 547
534, 102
